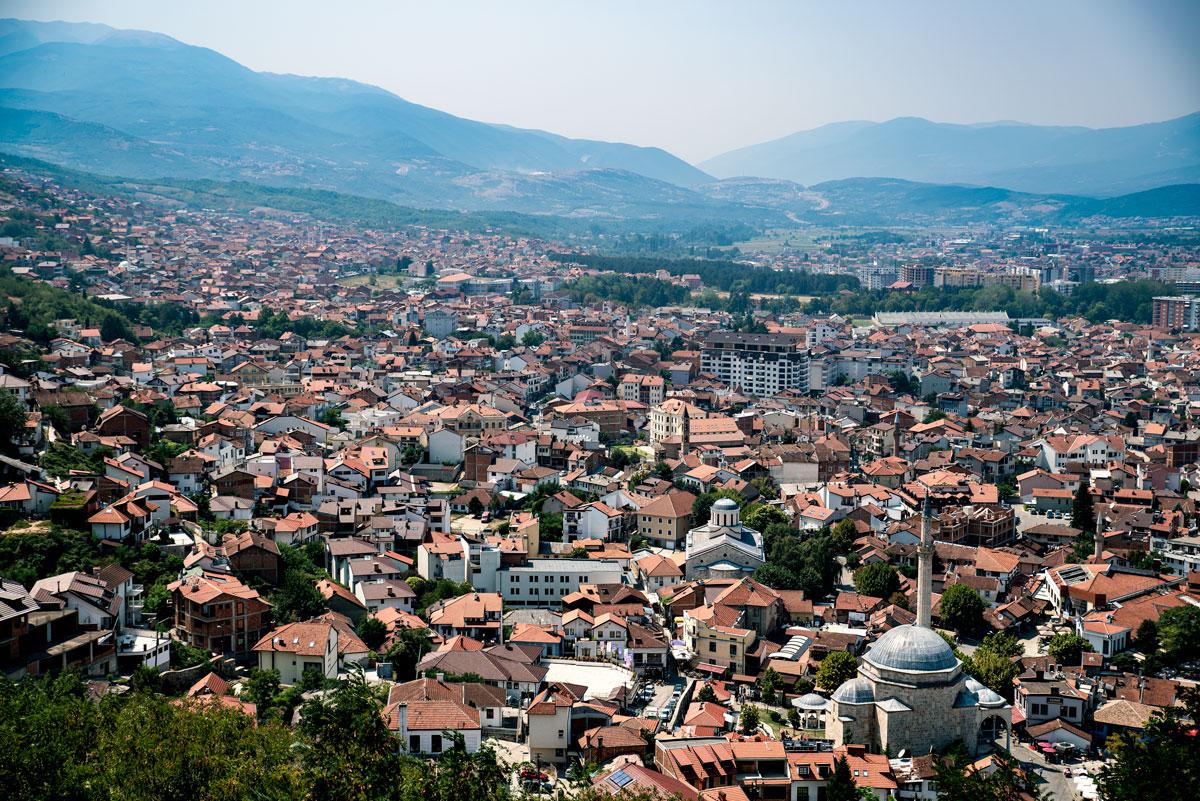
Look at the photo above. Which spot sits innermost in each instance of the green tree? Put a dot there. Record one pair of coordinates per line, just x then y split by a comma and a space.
144, 678
995, 671
707, 694
580, 774
844, 535
1066, 649
1125, 662
406, 652
1146, 639
1136, 770
532, 339
961, 608
878, 579
768, 683
1083, 514
760, 516
58, 418
841, 786
1179, 630
1006, 645
12, 418
372, 631
836, 669
262, 688
749, 720
298, 598
475, 506
412, 454
351, 754
957, 779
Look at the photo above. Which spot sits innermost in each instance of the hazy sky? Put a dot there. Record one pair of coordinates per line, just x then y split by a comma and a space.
699, 78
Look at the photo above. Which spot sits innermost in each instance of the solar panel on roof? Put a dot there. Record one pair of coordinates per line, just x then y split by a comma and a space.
621, 778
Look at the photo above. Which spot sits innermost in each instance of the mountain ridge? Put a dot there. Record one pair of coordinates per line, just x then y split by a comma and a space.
222, 119
1018, 156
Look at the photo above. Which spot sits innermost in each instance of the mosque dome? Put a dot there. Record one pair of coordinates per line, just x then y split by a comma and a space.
811, 701
912, 648
725, 505
984, 694
855, 691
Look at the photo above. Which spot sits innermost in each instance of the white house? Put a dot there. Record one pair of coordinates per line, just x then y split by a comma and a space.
296, 647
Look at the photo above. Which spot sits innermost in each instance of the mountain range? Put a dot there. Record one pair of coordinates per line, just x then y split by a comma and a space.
145, 106
1025, 158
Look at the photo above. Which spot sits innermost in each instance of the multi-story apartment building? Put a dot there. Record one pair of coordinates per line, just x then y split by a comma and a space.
1180, 311
1181, 554
544, 582
761, 364
220, 614
874, 276
647, 389
918, 275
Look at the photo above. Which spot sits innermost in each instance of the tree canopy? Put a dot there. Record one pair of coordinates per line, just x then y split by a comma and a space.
836, 669
878, 579
961, 608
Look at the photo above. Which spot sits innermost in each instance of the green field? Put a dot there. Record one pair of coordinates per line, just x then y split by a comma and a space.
778, 241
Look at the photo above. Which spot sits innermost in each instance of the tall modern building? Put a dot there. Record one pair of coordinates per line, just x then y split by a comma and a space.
1180, 311
760, 364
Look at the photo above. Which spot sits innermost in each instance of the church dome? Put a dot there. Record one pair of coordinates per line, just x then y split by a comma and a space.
725, 514
855, 691
912, 648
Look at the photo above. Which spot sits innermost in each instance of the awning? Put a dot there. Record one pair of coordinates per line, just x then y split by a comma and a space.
714, 669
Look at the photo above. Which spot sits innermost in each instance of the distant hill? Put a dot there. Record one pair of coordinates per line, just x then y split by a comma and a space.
1026, 158
156, 106
895, 202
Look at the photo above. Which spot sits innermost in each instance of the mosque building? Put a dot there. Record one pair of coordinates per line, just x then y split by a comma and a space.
911, 693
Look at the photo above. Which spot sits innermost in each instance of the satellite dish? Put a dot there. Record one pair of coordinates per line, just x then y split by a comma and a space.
903, 753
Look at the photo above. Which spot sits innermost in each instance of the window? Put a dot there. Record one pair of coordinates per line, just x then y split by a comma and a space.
712, 647
435, 743
414, 744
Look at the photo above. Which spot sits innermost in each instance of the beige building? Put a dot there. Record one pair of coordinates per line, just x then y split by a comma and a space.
666, 419
664, 522
714, 635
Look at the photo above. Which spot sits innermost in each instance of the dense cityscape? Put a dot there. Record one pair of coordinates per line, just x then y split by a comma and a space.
327, 478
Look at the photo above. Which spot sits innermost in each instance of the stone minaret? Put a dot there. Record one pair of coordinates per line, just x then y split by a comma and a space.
685, 433
925, 569
1098, 543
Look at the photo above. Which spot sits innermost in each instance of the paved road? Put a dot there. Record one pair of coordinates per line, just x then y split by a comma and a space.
1052, 778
